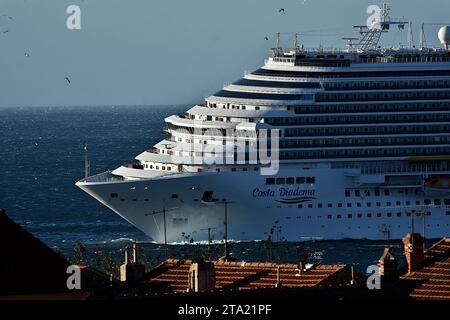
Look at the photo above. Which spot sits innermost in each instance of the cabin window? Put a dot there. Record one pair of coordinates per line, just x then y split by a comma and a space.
281, 180
310, 180
270, 181
290, 180
114, 195
300, 180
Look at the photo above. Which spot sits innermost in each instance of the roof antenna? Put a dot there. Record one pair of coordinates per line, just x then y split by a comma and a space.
410, 36
87, 163
422, 37
296, 42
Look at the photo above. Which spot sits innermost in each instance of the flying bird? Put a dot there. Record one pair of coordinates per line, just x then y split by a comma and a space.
281, 10
27, 54
68, 80
266, 38
6, 31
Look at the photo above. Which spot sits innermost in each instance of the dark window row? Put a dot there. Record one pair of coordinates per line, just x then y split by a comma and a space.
356, 119
262, 96
384, 141
363, 153
436, 202
366, 193
382, 96
277, 84
371, 74
290, 180
383, 85
372, 215
372, 107
366, 130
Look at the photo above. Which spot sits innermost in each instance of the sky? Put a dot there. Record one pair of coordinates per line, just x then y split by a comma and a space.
153, 52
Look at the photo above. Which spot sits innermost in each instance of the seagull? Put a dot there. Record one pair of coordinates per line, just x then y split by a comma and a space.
266, 38
68, 80
6, 31
27, 54
281, 10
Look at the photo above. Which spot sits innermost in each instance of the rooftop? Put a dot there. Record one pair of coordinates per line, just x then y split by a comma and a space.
432, 281
171, 276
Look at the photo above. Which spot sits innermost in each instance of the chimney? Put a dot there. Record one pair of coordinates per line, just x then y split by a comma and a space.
131, 271
202, 276
387, 265
413, 245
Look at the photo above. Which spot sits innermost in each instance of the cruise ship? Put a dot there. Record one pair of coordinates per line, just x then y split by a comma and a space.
350, 143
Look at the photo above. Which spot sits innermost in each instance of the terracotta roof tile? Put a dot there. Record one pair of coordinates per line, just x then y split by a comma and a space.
435, 275
243, 275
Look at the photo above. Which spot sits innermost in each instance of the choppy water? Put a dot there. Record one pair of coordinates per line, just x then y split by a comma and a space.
42, 157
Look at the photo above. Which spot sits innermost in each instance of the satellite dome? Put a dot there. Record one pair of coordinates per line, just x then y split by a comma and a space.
444, 36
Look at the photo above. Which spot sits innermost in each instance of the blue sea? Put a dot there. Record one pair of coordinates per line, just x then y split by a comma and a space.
42, 156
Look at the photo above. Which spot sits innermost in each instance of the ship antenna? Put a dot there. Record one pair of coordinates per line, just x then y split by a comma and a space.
422, 37
296, 42
410, 36
87, 163
278, 40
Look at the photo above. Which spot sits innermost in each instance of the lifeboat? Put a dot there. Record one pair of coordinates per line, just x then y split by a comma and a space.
437, 185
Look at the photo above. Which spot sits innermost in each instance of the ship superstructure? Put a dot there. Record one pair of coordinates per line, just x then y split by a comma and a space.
363, 149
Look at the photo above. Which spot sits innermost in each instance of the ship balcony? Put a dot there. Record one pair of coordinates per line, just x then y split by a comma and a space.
134, 165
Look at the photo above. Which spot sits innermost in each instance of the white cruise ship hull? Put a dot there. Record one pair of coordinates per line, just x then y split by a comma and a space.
306, 211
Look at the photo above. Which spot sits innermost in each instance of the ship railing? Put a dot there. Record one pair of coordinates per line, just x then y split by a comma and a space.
404, 169
103, 177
